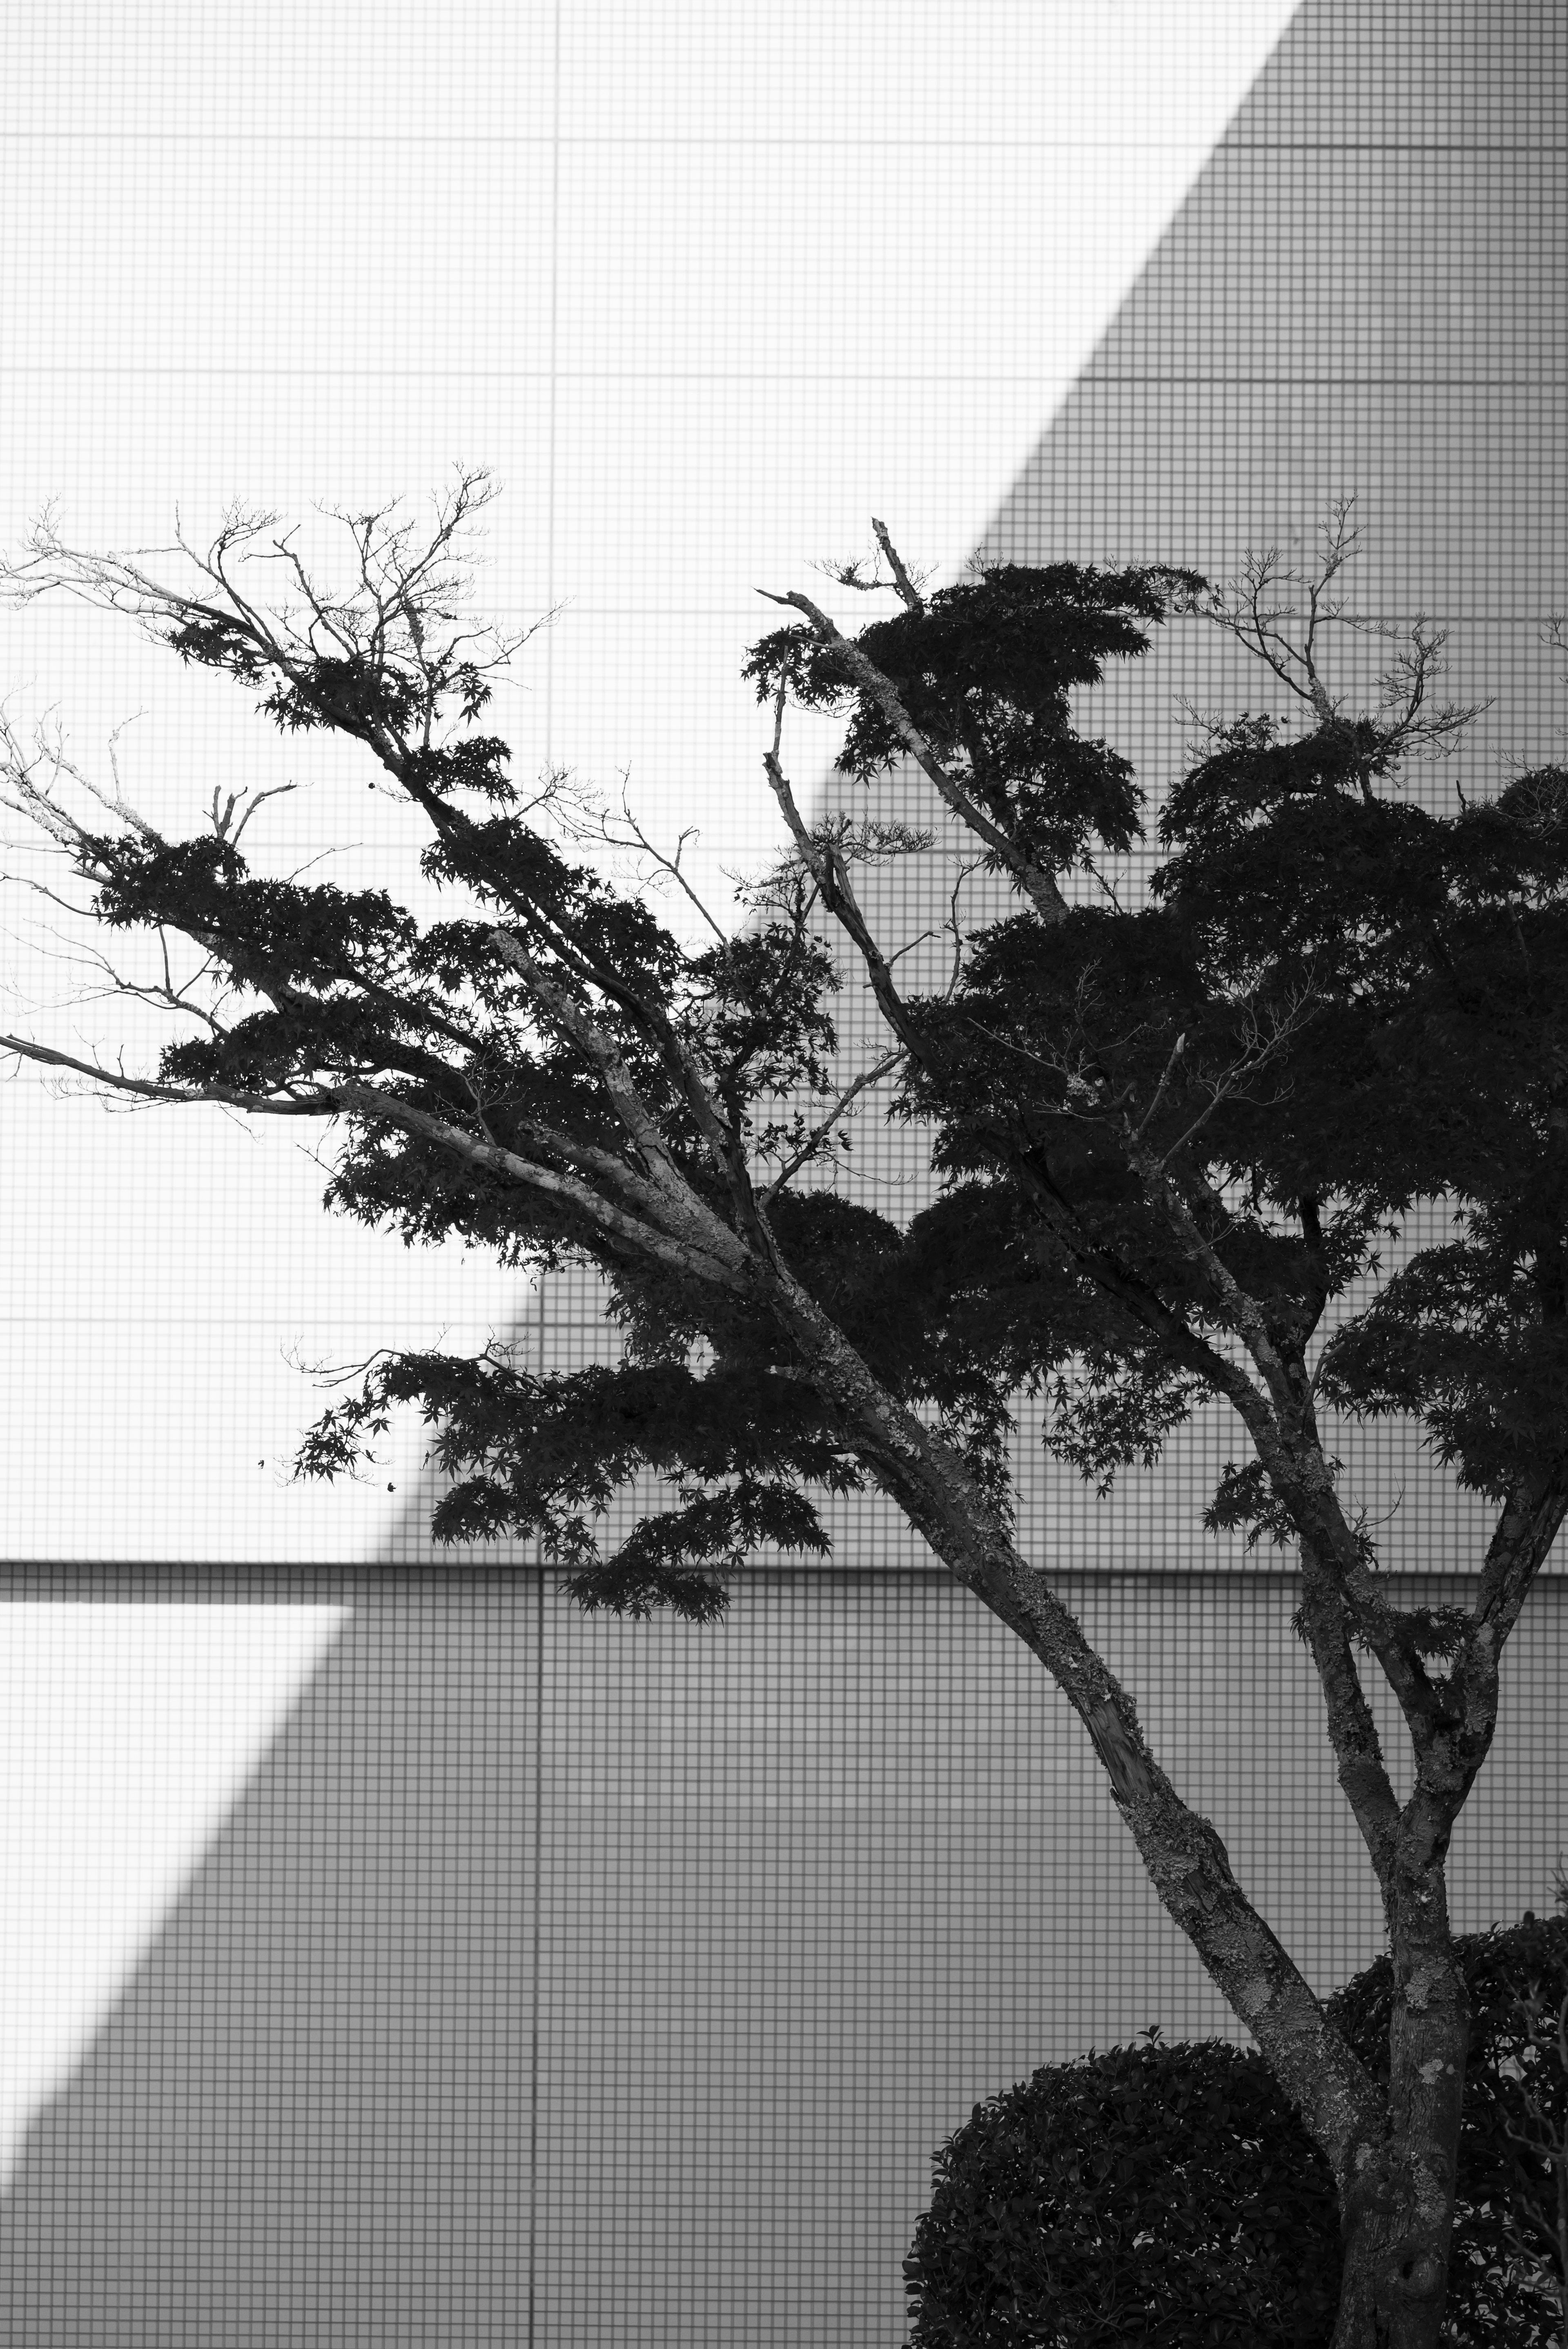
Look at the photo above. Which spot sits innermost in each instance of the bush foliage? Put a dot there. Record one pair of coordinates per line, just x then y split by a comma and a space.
1168, 2195
1158, 2194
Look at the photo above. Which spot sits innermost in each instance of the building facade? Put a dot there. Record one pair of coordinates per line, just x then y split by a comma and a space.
562, 1980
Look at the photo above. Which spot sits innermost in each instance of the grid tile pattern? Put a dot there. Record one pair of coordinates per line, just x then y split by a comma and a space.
567, 1981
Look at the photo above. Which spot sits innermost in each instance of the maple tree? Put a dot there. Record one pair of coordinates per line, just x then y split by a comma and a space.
1169, 1142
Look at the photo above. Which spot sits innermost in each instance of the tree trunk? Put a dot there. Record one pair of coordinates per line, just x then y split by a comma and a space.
1394, 2160
1397, 2211
1393, 2290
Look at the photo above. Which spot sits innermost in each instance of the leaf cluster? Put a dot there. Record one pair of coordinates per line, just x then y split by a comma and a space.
545, 1456
985, 671
707, 1403
1337, 1004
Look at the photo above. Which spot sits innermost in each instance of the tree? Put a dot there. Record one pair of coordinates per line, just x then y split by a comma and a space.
1170, 1141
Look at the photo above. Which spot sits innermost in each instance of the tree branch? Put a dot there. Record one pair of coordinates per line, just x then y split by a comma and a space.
1357, 1751
1037, 884
819, 1133
689, 1239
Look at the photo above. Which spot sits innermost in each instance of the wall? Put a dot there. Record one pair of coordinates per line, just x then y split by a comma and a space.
557, 1980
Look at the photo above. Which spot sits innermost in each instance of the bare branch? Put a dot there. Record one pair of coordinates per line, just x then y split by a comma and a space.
1403, 687
224, 824
819, 1133
315, 1101
403, 584
824, 860
637, 839
38, 800
1177, 1048
909, 593
1248, 610
905, 584
964, 873
1287, 636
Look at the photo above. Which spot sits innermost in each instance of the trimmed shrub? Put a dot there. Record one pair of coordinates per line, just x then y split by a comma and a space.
1164, 2194
1169, 2196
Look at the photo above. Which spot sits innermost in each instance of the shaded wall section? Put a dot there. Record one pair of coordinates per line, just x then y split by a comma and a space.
565, 1980
308, 2119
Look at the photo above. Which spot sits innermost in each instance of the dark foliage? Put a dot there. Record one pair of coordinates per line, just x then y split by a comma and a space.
1163, 2196
546, 1455
1336, 1004
986, 672
1170, 2195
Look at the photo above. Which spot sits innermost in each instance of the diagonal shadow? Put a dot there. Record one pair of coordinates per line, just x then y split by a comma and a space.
387, 2022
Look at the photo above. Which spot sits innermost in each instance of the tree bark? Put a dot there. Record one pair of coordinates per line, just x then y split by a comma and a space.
1397, 2204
